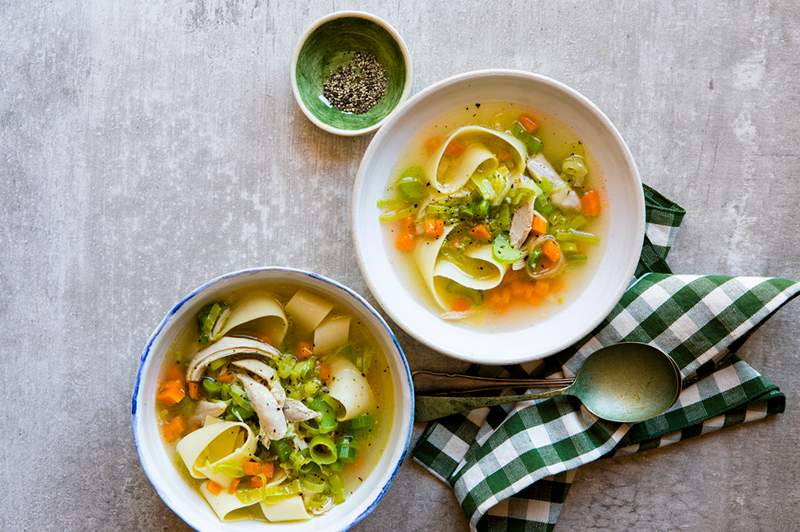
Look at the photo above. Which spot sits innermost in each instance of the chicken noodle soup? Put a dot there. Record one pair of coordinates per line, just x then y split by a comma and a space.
496, 210
274, 403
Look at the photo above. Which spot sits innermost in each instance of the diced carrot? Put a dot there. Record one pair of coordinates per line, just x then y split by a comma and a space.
504, 155
534, 300
590, 203
434, 228
194, 390
171, 392
432, 144
264, 338
454, 149
268, 468
233, 486
173, 373
517, 288
213, 487
551, 250
226, 378
324, 372
304, 349
556, 285
404, 242
256, 482
528, 123
480, 232
547, 263
461, 304
251, 468
173, 429
539, 225
541, 288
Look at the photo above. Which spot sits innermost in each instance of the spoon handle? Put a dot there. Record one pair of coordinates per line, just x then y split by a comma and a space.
430, 407
431, 382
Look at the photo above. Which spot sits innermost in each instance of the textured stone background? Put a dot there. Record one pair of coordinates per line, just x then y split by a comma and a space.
148, 146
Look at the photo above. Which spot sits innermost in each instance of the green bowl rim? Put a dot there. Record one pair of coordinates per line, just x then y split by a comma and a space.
403, 50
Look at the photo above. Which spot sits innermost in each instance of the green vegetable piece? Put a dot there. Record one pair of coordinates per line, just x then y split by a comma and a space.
502, 250
575, 258
361, 425
534, 257
207, 319
282, 449
313, 483
211, 386
574, 167
326, 422
573, 235
569, 247
347, 449
411, 184
482, 209
322, 450
337, 488
285, 366
577, 221
533, 143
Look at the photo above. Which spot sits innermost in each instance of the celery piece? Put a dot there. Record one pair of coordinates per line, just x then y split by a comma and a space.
410, 188
573, 235
393, 216
282, 449
361, 425
484, 186
569, 247
337, 488
285, 366
502, 250
577, 221
211, 386
575, 169
322, 450
482, 209
313, 483
347, 449
543, 206
576, 257
206, 320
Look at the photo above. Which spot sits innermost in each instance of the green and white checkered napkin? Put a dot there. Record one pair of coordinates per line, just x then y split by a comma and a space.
511, 466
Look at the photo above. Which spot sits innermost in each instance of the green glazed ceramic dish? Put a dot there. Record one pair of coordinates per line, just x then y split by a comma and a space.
329, 44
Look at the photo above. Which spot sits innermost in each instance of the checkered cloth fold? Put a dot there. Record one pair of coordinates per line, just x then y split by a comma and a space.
511, 466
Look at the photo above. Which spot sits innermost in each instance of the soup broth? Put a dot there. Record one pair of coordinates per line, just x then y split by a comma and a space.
493, 216
275, 404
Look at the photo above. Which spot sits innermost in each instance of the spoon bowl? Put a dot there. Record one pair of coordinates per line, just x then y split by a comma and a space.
626, 382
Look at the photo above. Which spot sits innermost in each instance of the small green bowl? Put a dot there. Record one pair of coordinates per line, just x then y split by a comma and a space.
327, 45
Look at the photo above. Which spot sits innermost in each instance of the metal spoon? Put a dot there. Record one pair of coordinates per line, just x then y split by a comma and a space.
627, 382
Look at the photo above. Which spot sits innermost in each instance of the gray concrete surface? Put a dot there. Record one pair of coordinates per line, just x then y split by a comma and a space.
147, 146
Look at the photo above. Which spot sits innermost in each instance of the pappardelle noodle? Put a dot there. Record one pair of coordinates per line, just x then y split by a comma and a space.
274, 410
488, 221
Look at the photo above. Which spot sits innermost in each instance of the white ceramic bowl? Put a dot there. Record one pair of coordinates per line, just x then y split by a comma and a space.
623, 241
185, 500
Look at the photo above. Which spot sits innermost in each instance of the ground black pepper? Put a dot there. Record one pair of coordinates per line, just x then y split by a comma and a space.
356, 86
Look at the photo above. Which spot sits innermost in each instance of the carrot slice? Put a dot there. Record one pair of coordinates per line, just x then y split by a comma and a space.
233, 486
590, 203
268, 468
171, 392
461, 304
251, 468
324, 372
256, 482
404, 242
551, 251
226, 378
432, 144
480, 232
194, 390
173, 429
304, 349
213, 487
454, 149
434, 228
539, 225
528, 123
541, 288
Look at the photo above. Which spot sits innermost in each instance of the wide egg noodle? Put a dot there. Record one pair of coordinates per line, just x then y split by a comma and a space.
217, 443
223, 503
290, 508
261, 312
455, 175
333, 332
349, 386
431, 267
308, 310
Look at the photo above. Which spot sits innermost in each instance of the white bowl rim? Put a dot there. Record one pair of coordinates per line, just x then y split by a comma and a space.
159, 330
403, 50
399, 113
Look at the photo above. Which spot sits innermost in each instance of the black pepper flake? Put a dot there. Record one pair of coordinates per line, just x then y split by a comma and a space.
357, 86
478, 105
